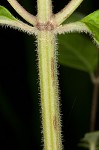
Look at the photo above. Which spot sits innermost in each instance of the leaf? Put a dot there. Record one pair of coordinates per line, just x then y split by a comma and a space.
6, 18
74, 17
92, 22
77, 50
89, 138
5, 14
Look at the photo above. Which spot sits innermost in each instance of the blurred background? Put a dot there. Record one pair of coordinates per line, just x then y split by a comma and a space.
20, 125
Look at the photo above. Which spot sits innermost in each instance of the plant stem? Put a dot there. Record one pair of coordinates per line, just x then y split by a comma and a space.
67, 11
72, 27
21, 26
94, 106
44, 10
95, 80
49, 91
22, 12
48, 78
92, 146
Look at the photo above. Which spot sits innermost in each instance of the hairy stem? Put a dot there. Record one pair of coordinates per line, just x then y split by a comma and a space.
17, 24
67, 11
72, 27
44, 10
48, 78
49, 91
22, 12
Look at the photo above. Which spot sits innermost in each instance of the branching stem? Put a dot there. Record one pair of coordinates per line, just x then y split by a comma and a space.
72, 27
22, 12
67, 11
46, 26
48, 78
21, 26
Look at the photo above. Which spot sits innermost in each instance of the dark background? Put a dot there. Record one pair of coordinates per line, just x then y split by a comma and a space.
20, 124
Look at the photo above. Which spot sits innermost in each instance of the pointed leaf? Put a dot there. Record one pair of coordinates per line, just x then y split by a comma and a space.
92, 22
5, 14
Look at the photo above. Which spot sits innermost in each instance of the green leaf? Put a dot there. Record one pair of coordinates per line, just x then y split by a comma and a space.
92, 22
77, 50
7, 19
91, 137
74, 17
5, 14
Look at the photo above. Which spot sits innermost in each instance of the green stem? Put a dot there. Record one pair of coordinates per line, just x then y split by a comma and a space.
49, 91
44, 10
22, 12
92, 146
62, 15
48, 78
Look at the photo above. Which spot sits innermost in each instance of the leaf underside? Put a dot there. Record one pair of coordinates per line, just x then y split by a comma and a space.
77, 50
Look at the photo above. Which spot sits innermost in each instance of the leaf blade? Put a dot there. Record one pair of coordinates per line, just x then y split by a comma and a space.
77, 55
5, 14
77, 50
92, 22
